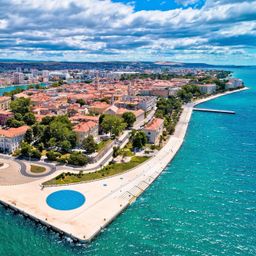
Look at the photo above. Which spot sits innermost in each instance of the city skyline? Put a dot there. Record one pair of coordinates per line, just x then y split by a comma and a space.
213, 32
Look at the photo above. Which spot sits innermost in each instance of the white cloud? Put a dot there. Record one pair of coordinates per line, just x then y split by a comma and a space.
186, 2
101, 29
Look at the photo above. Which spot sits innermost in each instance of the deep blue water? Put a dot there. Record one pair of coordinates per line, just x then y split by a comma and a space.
203, 204
65, 200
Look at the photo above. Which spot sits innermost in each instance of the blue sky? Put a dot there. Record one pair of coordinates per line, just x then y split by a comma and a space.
210, 31
163, 5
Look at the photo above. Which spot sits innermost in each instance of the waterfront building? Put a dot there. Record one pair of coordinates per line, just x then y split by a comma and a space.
154, 130
10, 139
207, 88
234, 83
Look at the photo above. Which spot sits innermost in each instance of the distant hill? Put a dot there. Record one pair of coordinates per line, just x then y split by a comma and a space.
12, 64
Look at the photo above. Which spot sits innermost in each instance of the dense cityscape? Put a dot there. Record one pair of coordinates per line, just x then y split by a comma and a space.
82, 98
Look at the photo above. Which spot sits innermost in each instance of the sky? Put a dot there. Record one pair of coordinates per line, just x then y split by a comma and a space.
208, 31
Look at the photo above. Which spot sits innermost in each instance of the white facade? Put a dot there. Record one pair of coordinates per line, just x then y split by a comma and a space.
147, 103
10, 139
9, 145
234, 83
154, 130
18, 78
207, 88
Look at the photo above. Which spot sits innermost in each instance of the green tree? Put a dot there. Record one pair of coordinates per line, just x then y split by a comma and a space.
139, 140
89, 144
53, 155
60, 129
29, 118
25, 149
20, 105
113, 125
28, 136
81, 102
28, 151
65, 146
77, 158
101, 118
12, 122
47, 120
116, 151
52, 142
187, 92
35, 153
18, 116
38, 130
129, 118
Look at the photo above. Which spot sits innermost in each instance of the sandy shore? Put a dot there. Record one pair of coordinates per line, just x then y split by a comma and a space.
105, 199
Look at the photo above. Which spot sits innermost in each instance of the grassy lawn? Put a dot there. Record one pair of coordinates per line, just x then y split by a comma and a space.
37, 169
110, 170
103, 144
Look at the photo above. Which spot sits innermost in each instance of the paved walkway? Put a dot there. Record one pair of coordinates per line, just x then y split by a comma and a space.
15, 171
11, 175
50, 169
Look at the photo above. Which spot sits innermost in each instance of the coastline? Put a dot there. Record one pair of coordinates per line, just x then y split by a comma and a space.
103, 209
219, 95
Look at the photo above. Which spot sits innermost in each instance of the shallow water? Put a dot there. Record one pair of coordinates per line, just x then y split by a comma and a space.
203, 204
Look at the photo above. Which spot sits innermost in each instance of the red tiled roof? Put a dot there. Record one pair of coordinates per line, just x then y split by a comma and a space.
155, 124
14, 132
84, 117
4, 98
100, 105
85, 126
5, 112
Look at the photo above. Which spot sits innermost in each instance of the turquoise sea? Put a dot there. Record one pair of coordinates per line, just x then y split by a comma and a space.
13, 87
203, 204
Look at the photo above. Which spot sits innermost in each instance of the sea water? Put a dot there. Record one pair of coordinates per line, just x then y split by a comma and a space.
204, 203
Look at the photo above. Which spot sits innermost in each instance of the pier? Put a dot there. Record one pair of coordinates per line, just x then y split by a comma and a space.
215, 111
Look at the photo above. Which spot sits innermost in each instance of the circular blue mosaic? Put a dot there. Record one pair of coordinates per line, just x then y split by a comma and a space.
65, 200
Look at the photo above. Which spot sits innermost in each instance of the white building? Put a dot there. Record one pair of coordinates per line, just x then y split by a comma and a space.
18, 78
45, 74
10, 139
207, 88
34, 72
154, 130
147, 103
234, 83
84, 129
139, 114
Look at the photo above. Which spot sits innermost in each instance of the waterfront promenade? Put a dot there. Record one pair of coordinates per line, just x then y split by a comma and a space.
105, 199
